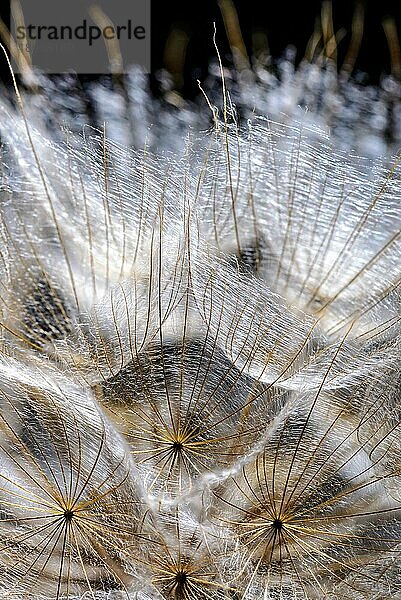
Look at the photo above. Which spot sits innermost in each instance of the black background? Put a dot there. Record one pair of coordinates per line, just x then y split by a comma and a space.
284, 23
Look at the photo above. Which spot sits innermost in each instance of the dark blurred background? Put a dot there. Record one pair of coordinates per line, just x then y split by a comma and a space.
274, 25
182, 34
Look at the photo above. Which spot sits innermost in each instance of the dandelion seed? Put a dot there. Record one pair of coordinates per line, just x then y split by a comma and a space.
87, 248
186, 411
184, 560
326, 277
68, 502
315, 508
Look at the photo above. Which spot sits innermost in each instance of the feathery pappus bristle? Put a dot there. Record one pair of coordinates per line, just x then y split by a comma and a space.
200, 341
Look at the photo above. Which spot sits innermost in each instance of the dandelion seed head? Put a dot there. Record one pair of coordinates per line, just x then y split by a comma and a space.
200, 346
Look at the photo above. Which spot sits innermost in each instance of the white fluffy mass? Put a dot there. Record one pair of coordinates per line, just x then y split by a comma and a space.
200, 342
